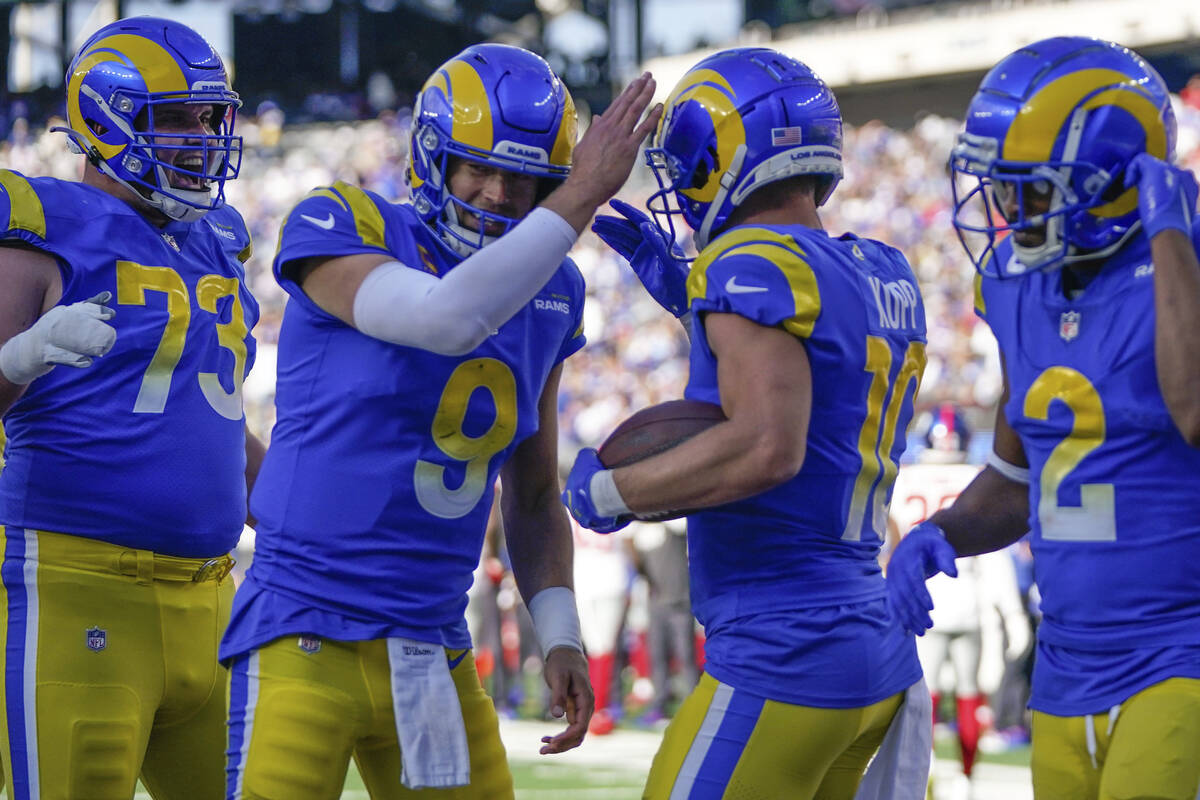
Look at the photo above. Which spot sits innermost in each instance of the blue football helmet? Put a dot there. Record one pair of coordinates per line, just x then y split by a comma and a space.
1043, 154
497, 105
114, 84
738, 120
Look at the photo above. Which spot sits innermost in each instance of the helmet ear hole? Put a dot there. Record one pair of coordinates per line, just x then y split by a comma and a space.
1115, 187
705, 167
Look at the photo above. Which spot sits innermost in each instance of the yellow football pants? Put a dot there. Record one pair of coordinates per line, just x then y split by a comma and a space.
300, 707
1150, 748
110, 670
725, 743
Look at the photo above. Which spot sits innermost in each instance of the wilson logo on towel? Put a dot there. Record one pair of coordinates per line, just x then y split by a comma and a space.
411, 650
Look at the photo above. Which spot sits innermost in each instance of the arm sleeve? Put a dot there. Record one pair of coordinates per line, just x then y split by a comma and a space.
453, 315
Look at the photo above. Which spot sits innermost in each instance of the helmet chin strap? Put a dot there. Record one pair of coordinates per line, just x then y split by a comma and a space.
728, 179
168, 206
458, 237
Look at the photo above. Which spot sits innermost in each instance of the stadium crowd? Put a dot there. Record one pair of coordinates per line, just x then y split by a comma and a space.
895, 190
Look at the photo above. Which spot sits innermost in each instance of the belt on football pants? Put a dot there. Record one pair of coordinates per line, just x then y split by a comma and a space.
93, 555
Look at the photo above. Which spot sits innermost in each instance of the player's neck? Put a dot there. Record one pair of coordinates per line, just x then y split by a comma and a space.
796, 208
1077, 277
97, 179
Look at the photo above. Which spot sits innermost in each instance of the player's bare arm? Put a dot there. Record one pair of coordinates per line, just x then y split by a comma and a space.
766, 394
1177, 329
1166, 197
333, 282
32, 285
539, 543
605, 154
255, 450
993, 511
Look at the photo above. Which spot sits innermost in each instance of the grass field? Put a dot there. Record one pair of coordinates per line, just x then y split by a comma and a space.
614, 767
548, 781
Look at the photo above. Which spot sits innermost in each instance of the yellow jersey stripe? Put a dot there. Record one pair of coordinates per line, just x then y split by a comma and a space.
367, 219
781, 250
323, 191
25, 212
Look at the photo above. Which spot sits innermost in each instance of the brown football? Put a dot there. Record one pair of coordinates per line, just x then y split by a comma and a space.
657, 428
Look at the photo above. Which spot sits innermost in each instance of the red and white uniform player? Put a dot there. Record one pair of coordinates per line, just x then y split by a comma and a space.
603, 572
965, 650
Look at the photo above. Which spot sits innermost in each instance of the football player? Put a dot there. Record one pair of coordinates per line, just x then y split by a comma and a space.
125, 323
1085, 241
813, 346
962, 651
419, 357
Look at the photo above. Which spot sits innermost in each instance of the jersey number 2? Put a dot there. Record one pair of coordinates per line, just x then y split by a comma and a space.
1094, 519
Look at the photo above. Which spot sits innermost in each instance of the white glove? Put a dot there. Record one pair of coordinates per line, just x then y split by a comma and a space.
70, 335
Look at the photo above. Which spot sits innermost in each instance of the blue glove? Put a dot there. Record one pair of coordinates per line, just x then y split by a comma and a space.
578, 499
1166, 194
635, 237
923, 553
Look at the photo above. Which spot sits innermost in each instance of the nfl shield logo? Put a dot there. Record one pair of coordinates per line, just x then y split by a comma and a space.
97, 639
1068, 325
169, 239
309, 644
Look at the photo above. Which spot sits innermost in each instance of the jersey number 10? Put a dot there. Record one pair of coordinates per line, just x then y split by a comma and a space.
878, 433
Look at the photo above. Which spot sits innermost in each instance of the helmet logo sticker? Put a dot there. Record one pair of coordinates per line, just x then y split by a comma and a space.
786, 137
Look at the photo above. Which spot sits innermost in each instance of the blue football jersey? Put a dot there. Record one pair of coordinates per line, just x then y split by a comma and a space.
374, 496
787, 564
146, 447
1114, 488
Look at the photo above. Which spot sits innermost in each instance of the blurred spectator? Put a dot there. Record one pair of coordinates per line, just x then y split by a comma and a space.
603, 570
661, 553
1190, 94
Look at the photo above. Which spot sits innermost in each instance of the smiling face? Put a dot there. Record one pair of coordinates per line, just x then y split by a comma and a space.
492, 190
179, 128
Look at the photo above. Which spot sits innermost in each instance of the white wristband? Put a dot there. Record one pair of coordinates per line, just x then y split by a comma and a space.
555, 620
1011, 471
605, 497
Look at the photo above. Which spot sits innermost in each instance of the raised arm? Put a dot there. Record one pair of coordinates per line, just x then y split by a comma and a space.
1167, 206
455, 313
